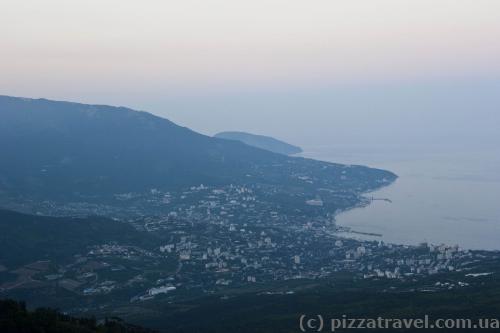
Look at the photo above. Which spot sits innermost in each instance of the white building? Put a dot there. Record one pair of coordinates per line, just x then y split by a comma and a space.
160, 290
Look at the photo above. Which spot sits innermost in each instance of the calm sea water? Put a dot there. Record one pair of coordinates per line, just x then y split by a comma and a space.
449, 196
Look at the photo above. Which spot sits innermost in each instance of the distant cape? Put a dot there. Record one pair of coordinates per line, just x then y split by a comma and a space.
261, 141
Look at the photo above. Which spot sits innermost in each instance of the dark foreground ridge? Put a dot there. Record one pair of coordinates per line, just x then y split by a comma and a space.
16, 318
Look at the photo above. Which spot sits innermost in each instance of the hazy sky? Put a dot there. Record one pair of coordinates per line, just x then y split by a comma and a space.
306, 71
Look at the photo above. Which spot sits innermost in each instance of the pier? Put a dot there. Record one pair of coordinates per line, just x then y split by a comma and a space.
381, 199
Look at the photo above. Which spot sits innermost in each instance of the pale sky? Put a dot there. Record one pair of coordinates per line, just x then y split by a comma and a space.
269, 66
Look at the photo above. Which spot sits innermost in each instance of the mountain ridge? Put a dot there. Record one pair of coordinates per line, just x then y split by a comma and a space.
65, 151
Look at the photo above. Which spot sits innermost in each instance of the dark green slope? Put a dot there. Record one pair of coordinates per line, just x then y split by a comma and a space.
28, 238
281, 313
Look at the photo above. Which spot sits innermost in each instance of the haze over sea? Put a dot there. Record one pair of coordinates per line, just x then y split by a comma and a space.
449, 196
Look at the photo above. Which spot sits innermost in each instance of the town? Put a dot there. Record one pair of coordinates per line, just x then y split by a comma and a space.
218, 240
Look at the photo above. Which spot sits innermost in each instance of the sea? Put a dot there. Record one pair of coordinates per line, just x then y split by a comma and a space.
442, 196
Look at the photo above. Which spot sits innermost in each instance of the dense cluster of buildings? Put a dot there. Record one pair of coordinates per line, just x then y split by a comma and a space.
213, 239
